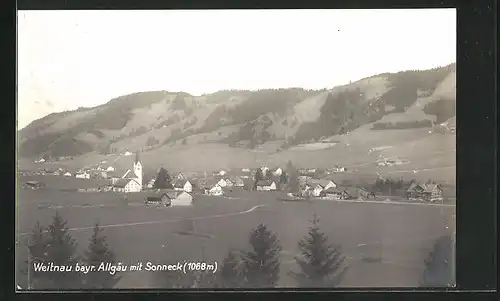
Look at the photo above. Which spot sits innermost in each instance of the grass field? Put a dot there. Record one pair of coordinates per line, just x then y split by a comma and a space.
401, 234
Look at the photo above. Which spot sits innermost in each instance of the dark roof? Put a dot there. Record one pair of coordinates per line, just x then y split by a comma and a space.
122, 182
264, 182
321, 182
33, 182
423, 187
334, 190
180, 183
171, 194
137, 159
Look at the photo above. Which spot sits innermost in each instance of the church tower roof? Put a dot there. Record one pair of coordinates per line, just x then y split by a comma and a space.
137, 159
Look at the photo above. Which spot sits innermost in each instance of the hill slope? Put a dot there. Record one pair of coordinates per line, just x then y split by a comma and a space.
159, 121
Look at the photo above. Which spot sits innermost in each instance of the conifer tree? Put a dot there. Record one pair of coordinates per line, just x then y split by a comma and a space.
37, 247
283, 178
230, 275
261, 265
439, 264
321, 264
163, 180
98, 252
61, 251
292, 178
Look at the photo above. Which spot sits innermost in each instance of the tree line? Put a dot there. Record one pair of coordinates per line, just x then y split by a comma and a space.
319, 263
391, 186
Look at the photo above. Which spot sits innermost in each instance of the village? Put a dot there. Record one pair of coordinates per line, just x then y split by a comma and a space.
181, 189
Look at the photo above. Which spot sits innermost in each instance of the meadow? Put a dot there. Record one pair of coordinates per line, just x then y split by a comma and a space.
401, 234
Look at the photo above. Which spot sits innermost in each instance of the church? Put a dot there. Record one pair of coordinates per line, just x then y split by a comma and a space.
131, 181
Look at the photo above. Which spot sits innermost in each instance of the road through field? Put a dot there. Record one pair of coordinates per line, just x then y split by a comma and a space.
401, 233
155, 222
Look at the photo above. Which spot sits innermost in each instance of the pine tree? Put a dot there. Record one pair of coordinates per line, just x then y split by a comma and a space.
38, 248
230, 275
439, 265
98, 252
321, 264
258, 177
61, 251
163, 180
261, 265
283, 178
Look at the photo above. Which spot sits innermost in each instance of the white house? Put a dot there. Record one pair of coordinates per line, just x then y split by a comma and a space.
83, 175
222, 183
320, 185
266, 185
277, 172
180, 176
110, 168
229, 183
215, 190
264, 170
151, 183
183, 185
182, 199
338, 169
222, 173
126, 185
333, 193
245, 170
67, 174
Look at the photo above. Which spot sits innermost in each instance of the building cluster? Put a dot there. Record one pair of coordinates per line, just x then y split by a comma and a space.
311, 183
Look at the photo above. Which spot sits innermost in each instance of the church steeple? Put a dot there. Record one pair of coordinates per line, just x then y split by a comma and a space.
138, 169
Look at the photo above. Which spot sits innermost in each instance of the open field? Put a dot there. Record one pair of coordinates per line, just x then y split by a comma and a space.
401, 233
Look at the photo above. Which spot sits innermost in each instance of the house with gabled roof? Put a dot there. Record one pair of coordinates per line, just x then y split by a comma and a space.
335, 193
424, 192
183, 185
126, 185
318, 185
265, 185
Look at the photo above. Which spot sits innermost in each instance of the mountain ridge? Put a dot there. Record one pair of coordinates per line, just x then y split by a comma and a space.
242, 118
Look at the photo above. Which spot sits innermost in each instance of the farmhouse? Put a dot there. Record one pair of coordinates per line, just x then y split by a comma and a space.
277, 172
364, 193
168, 197
183, 199
216, 190
183, 185
110, 168
337, 168
126, 185
83, 175
265, 185
425, 192
34, 184
334, 193
223, 183
67, 174
319, 185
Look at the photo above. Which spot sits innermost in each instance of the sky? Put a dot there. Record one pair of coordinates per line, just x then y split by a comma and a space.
71, 59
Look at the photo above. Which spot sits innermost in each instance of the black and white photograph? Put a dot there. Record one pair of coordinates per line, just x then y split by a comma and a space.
226, 149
